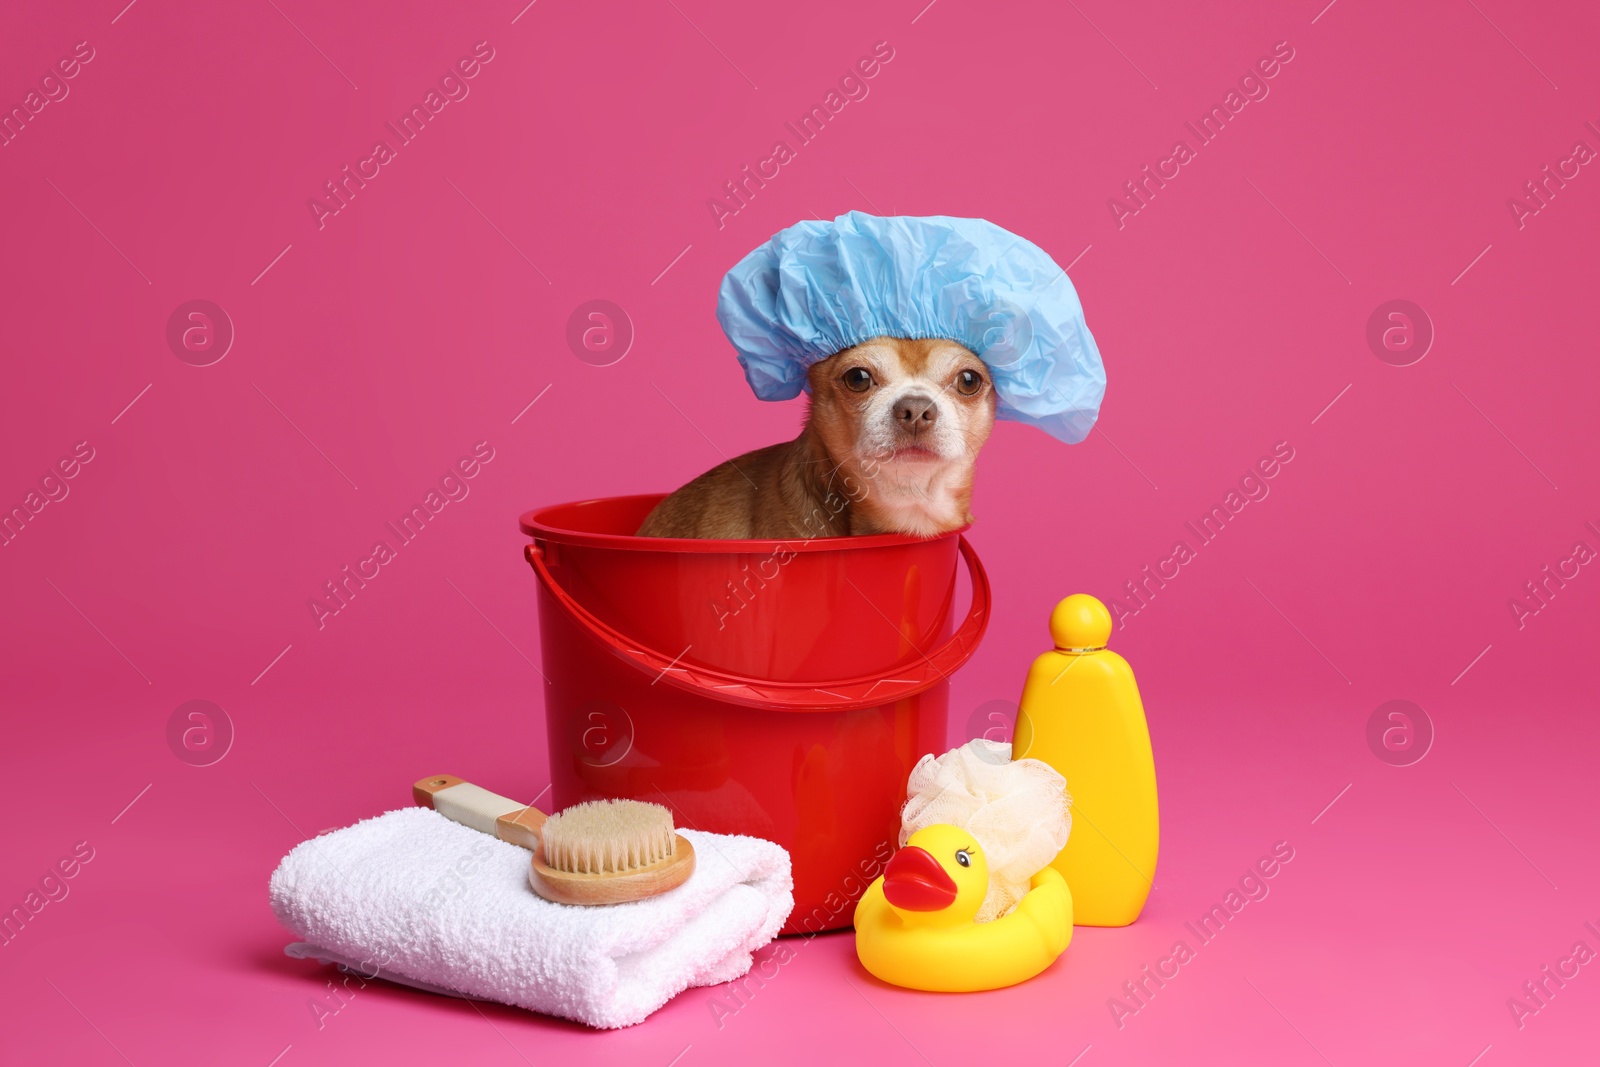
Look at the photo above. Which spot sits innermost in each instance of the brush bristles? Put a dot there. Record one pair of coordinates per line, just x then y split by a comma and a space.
608, 837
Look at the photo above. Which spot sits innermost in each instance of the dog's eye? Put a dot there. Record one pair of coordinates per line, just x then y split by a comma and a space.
968, 382
857, 379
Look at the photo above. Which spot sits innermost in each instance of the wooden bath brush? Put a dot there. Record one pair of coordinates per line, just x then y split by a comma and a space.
597, 852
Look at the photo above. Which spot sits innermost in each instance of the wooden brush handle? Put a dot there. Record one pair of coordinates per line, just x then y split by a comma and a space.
474, 806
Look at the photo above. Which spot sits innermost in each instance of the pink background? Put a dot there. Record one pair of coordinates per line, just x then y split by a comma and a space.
425, 316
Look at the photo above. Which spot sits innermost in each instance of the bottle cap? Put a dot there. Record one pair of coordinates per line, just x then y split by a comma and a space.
1080, 623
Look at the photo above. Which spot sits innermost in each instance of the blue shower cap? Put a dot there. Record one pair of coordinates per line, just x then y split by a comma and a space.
818, 288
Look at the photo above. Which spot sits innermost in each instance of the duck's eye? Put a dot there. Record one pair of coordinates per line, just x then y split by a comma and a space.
963, 857
857, 379
968, 382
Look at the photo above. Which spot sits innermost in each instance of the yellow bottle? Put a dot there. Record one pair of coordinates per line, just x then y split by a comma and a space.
1081, 713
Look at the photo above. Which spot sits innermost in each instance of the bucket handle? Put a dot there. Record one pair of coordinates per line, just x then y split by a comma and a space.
844, 695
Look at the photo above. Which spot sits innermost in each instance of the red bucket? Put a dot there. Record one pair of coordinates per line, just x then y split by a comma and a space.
782, 689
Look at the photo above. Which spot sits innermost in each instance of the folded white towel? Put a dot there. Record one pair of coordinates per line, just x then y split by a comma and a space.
429, 902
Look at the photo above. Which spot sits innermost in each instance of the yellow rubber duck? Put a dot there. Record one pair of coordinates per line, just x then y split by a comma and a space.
915, 928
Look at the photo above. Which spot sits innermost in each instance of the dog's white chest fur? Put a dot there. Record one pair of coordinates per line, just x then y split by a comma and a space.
920, 499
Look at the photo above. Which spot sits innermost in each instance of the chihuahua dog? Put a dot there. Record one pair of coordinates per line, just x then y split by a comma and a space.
889, 445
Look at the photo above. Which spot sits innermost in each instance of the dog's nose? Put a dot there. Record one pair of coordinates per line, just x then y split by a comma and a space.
915, 412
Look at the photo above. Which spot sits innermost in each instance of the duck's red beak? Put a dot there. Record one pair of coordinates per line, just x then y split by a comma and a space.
914, 881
